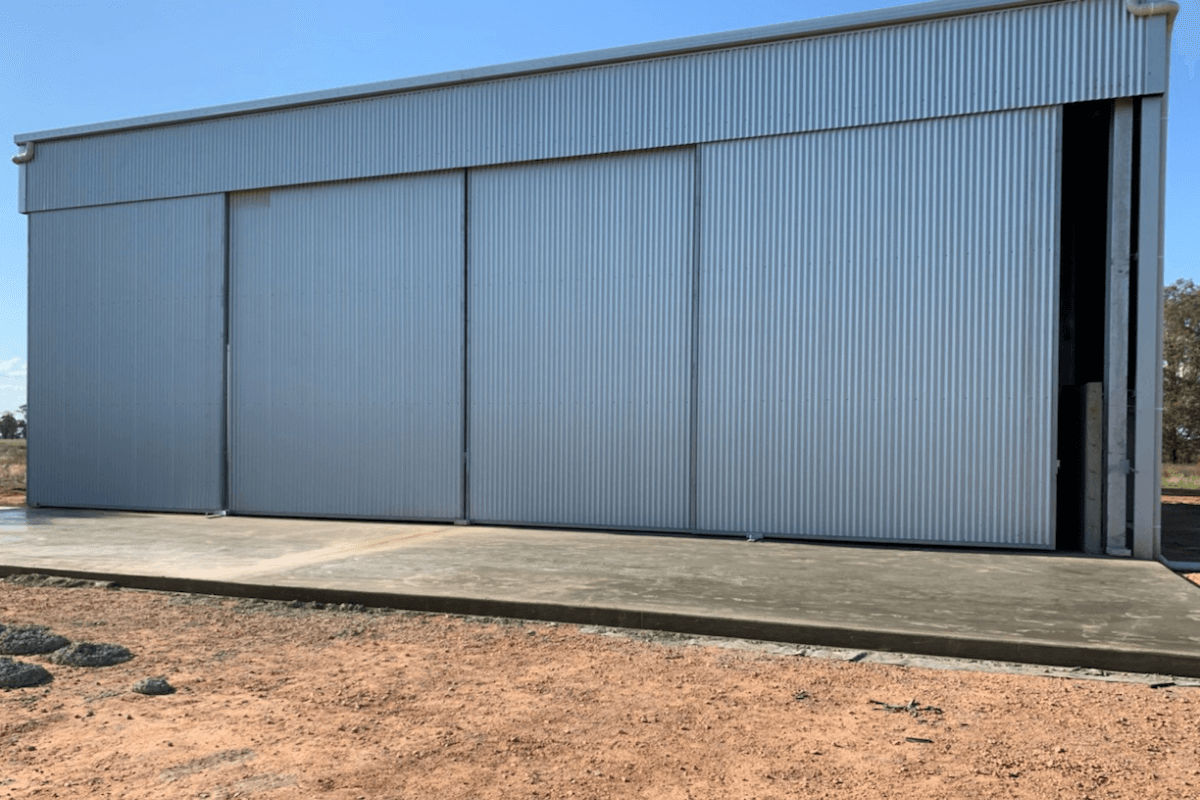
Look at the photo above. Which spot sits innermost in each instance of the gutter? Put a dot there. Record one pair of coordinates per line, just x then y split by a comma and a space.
25, 156
1168, 7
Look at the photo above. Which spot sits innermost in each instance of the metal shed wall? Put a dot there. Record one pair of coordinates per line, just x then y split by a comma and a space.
879, 308
1039, 55
580, 341
126, 355
706, 288
346, 337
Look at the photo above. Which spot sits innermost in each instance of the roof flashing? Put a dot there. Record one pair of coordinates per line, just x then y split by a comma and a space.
894, 15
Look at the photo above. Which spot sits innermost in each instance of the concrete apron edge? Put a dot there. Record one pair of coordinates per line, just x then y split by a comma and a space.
1053, 654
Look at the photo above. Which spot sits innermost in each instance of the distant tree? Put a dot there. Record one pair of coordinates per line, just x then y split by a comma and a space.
8, 426
23, 422
1181, 372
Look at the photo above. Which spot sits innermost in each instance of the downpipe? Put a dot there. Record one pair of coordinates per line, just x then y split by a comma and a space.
25, 156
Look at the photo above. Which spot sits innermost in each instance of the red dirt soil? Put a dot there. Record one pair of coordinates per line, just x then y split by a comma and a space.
280, 702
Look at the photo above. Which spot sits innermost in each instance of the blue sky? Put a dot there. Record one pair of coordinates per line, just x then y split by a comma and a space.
65, 64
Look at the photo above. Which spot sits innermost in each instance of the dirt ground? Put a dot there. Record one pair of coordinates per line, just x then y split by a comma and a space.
280, 702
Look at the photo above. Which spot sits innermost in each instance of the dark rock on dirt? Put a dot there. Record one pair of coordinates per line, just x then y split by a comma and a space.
87, 654
16, 674
30, 639
157, 685
38, 579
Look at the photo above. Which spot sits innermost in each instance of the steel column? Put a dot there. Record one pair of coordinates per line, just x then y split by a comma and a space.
1116, 344
1148, 379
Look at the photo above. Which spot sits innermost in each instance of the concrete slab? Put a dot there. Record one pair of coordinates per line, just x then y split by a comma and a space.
1065, 610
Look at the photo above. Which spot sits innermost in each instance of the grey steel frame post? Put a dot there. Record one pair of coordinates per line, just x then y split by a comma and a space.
1147, 477
1147, 434
1116, 342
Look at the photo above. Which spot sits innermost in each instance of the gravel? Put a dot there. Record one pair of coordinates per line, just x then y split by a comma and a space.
157, 685
16, 674
88, 654
29, 640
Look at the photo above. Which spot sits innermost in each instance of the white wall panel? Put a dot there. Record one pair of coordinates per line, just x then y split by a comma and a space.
580, 293
878, 325
346, 331
126, 353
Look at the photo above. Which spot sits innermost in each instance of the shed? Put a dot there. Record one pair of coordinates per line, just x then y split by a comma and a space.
892, 276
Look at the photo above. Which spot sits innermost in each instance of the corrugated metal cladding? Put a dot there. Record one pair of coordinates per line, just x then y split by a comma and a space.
346, 331
1015, 58
879, 308
580, 341
126, 354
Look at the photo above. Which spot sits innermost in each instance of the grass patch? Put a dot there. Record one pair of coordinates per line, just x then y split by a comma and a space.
1181, 476
12, 465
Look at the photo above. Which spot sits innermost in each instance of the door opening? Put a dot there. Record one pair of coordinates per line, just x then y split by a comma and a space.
1084, 220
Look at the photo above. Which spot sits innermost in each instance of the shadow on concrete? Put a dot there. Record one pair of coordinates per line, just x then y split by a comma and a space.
1181, 529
